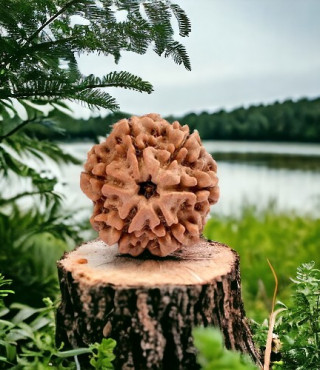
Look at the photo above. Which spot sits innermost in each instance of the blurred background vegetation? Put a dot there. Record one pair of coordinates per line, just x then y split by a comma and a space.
295, 121
286, 238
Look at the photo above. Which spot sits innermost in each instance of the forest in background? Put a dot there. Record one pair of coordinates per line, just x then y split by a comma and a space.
290, 121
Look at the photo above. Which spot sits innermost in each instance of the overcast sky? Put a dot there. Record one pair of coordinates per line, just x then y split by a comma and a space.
242, 52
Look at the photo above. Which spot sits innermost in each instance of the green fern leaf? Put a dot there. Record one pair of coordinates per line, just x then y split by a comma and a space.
179, 54
95, 99
183, 20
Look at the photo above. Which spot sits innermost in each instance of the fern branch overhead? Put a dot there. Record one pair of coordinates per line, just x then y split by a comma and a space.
122, 79
183, 20
60, 89
39, 41
96, 99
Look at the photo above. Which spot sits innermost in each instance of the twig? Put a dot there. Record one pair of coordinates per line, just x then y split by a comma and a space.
276, 285
51, 19
38, 94
267, 353
77, 363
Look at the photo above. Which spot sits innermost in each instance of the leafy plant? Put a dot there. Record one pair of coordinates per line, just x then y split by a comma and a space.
103, 354
41, 39
32, 241
213, 355
299, 326
286, 238
4, 292
27, 341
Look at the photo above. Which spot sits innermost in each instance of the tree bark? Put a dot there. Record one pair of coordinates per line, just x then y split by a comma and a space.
150, 305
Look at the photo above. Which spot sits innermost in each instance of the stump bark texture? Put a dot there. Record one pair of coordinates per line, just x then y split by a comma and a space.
150, 305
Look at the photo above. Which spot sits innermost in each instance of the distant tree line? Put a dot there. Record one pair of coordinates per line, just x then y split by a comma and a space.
288, 121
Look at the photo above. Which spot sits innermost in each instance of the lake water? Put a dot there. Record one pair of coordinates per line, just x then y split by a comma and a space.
251, 172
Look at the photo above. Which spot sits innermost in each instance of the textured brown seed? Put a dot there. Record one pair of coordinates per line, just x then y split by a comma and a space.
152, 184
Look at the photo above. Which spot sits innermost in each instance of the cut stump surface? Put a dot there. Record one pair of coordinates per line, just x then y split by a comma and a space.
150, 305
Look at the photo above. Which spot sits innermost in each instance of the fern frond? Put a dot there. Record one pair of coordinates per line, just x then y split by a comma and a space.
183, 20
179, 54
96, 99
160, 17
123, 79
299, 326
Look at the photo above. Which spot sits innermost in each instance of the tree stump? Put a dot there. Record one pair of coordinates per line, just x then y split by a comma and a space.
150, 305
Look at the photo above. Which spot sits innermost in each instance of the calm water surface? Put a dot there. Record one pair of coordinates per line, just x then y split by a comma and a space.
257, 173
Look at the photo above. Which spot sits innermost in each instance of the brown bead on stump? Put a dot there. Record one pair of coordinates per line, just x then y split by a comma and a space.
150, 305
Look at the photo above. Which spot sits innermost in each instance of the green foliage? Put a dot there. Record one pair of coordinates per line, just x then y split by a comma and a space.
33, 237
4, 292
27, 339
213, 355
286, 238
299, 326
39, 42
260, 333
103, 354
32, 241
16, 152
